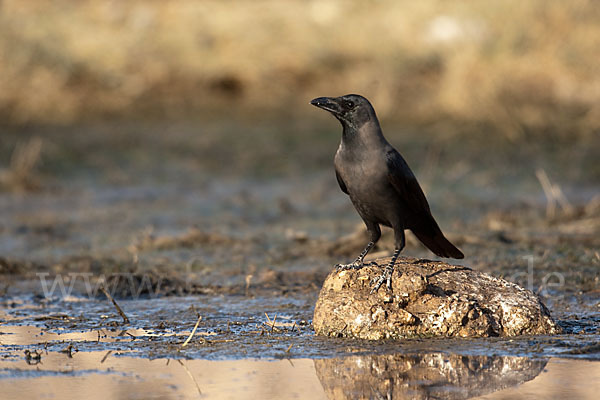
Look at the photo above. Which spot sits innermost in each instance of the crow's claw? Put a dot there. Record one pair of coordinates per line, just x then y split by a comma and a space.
386, 276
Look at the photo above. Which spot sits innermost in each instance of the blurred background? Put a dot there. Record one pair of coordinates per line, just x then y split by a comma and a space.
123, 122
518, 67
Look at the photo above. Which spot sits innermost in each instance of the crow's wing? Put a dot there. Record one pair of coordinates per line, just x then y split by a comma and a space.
341, 182
405, 183
418, 214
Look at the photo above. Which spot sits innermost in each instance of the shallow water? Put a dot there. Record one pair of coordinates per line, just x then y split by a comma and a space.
263, 347
125, 374
124, 377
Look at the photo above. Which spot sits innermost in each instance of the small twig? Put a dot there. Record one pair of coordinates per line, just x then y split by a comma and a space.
273, 324
190, 374
108, 353
119, 310
554, 195
248, 280
547, 187
289, 348
68, 350
193, 331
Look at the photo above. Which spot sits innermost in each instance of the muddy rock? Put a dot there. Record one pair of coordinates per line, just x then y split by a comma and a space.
428, 298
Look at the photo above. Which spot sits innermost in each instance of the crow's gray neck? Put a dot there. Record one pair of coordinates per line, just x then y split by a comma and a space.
349, 134
367, 136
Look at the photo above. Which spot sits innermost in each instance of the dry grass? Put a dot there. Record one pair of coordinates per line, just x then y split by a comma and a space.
21, 174
514, 66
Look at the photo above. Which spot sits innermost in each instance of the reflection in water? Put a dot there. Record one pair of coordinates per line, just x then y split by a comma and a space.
126, 375
423, 376
113, 375
34, 364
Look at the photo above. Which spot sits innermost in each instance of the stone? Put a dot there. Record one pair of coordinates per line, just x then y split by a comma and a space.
428, 298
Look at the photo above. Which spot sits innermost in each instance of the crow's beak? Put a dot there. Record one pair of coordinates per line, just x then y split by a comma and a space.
326, 103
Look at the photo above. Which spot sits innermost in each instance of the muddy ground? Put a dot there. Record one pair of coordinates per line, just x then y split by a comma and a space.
239, 223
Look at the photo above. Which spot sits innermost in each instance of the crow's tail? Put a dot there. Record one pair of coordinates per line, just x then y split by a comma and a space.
439, 244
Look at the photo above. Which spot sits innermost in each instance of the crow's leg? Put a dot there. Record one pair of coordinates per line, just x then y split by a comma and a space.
359, 262
375, 234
386, 276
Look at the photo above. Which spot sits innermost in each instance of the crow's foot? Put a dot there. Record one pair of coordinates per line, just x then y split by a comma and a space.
356, 265
386, 276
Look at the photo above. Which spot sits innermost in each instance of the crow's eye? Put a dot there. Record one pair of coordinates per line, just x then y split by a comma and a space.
348, 104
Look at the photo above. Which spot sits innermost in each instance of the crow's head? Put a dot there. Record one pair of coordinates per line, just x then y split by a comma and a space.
351, 110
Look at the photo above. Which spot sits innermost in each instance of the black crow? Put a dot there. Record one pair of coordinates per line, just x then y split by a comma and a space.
380, 184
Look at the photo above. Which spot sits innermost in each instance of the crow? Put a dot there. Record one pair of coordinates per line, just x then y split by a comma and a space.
380, 184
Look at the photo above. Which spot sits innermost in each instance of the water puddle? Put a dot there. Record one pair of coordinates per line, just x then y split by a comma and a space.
115, 374
264, 347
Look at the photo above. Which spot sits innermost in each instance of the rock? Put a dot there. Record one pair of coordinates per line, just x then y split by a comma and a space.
428, 298
423, 376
